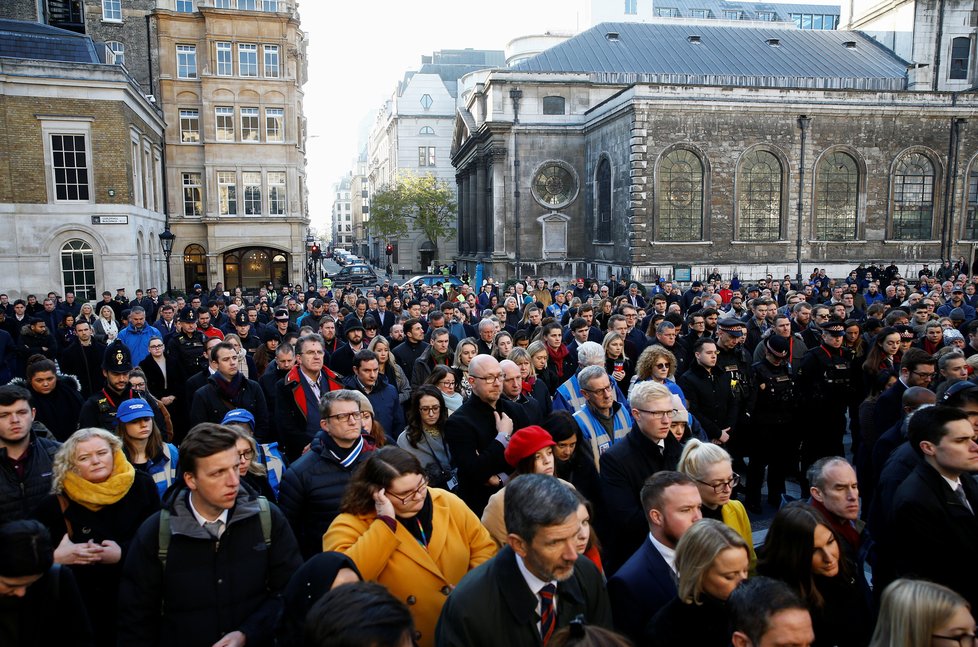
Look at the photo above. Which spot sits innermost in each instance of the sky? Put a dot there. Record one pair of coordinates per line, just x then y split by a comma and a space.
358, 50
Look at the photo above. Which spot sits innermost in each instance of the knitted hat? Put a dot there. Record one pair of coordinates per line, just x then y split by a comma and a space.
526, 442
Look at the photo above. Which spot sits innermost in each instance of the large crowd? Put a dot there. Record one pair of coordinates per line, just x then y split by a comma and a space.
526, 463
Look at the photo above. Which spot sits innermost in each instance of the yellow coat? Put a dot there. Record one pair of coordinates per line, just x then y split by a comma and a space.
420, 578
735, 516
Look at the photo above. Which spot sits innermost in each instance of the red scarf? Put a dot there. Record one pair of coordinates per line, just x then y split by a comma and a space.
528, 385
843, 528
557, 357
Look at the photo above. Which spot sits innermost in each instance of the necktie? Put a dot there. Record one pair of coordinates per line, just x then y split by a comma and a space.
548, 619
214, 528
959, 491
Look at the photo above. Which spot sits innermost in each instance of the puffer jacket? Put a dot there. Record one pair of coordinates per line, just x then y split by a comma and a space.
18, 499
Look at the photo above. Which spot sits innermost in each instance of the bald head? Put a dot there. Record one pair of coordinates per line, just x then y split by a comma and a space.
481, 367
916, 397
512, 381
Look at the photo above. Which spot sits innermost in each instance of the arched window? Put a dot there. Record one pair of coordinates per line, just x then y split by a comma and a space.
426, 130
960, 57
118, 50
78, 269
194, 267
759, 196
836, 197
679, 197
913, 198
603, 201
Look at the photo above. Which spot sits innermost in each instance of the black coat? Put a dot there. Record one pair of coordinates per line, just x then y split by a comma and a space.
492, 605
19, 498
406, 353
209, 587
54, 596
470, 434
210, 405
933, 534
624, 468
85, 363
708, 397
641, 587
703, 625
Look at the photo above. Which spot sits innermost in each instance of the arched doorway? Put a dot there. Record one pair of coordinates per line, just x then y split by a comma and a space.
194, 267
252, 267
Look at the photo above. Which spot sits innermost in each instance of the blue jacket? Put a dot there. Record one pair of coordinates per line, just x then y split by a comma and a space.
138, 341
569, 397
387, 405
163, 468
643, 585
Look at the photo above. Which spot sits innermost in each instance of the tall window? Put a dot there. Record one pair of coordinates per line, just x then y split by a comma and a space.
971, 219
275, 124
194, 266
112, 10
249, 124
276, 193
270, 5
78, 269
223, 4
271, 61
190, 126
247, 59
836, 197
225, 62
603, 179
252, 192
248, 5
192, 203
227, 193
426, 155
631, 7
913, 198
680, 197
759, 197
70, 165
960, 55
187, 61
225, 123
118, 51
185, 6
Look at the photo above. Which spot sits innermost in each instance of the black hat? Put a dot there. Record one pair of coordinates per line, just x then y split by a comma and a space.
957, 314
777, 345
117, 358
268, 334
835, 327
369, 322
281, 314
34, 320
241, 318
906, 332
352, 324
958, 387
25, 548
188, 315
696, 284
957, 288
732, 326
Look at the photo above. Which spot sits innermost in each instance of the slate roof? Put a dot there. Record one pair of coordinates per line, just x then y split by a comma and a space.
728, 56
36, 41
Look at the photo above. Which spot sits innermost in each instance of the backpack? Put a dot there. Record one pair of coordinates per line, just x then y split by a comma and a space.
264, 516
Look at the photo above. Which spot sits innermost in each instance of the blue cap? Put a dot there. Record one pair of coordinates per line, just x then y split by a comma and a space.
134, 409
239, 415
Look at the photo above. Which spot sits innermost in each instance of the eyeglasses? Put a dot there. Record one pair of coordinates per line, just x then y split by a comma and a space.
155, 346
247, 454
603, 389
664, 414
724, 485
964, 640
314, 353
447, 383
435, 408
488, 379
925, 375
663, 365
404, 498
342, 417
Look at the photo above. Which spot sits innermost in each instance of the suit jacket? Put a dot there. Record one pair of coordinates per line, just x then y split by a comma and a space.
889, 407
384, 319
933, 533
640, 588
493, 606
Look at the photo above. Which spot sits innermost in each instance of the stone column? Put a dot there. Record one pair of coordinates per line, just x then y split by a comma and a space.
460, 227
480, 205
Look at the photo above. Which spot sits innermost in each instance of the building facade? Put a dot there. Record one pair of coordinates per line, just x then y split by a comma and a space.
81, 159
342, 215
756, 151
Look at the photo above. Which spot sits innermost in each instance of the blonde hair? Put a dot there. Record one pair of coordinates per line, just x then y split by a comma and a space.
243, 432
911, 610
610, 337
697, 550
64, 460
518, 355
642, 392
697, 456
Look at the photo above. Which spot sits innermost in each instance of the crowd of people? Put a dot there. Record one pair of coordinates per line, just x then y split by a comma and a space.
526, 463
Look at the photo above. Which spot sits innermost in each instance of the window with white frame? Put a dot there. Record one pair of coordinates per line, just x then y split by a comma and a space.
137, 173
78, 269
227, 193
225, 59
248, 5
118, 51
247, 59
252, 192
249, 124
69, 163
225, 123
276, 193
187, 61
271, 61
426, 155
190, 126
148, 193
223, 4
185, 6
112, 10
275, 124
270, 5
192, 202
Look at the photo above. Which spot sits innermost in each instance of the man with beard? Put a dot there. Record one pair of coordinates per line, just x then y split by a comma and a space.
99, 410
408, 351
341, 361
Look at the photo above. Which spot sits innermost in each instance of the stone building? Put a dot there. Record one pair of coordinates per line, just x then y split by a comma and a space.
81, 180
644, 149
343, 237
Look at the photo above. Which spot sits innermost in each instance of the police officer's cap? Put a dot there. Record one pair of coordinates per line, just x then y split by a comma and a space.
241, 318
778, 346
732, 326
834, 327
188, 315
117, 358
958, 387
281, 314
906, 332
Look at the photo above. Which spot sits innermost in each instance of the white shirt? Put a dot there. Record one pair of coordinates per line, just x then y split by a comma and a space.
668, 554
201, 519
535, 584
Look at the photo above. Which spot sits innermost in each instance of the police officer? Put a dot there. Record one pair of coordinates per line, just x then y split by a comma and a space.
99, 410
187, 347
824, 380
734, 362
773, 440
246, 331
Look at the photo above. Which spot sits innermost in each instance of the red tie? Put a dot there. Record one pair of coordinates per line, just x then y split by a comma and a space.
548, 620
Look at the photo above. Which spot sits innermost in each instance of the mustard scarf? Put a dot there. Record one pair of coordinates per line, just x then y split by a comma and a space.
96, 495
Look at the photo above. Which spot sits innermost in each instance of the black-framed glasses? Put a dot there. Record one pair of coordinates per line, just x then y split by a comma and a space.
964, 640
247, 454
488, 379
600, 389
343, 417
404, 498
929, 376
724, 485
435, 408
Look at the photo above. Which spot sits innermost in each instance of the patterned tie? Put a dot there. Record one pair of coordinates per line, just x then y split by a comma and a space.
959, 491
548, 620
214, 528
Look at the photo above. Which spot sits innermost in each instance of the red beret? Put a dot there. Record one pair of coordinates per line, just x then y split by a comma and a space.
526, 442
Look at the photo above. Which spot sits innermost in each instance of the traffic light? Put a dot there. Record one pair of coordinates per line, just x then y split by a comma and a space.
390, 249
316, 252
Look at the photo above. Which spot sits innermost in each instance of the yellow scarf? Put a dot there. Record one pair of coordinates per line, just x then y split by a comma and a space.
95, 495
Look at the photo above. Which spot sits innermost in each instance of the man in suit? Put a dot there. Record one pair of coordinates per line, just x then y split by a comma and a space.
917, 368
509, 600
647, 581
385, 318
934, 524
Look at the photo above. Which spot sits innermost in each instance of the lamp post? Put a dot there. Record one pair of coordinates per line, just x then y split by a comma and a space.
515, 94
803, 122
310, 240
166, 242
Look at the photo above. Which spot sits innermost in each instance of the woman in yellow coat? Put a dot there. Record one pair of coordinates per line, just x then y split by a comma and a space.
416, 541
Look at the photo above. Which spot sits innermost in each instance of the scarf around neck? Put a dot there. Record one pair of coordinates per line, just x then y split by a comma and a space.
96, 495
558, 356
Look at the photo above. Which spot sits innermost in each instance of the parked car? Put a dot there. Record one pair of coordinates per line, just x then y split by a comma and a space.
431, 279
358, 275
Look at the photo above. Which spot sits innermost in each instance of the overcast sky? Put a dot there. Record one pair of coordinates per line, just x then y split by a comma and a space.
358, 50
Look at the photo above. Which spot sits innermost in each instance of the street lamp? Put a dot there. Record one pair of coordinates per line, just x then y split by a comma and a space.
166, 242
310, 241
515, 95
